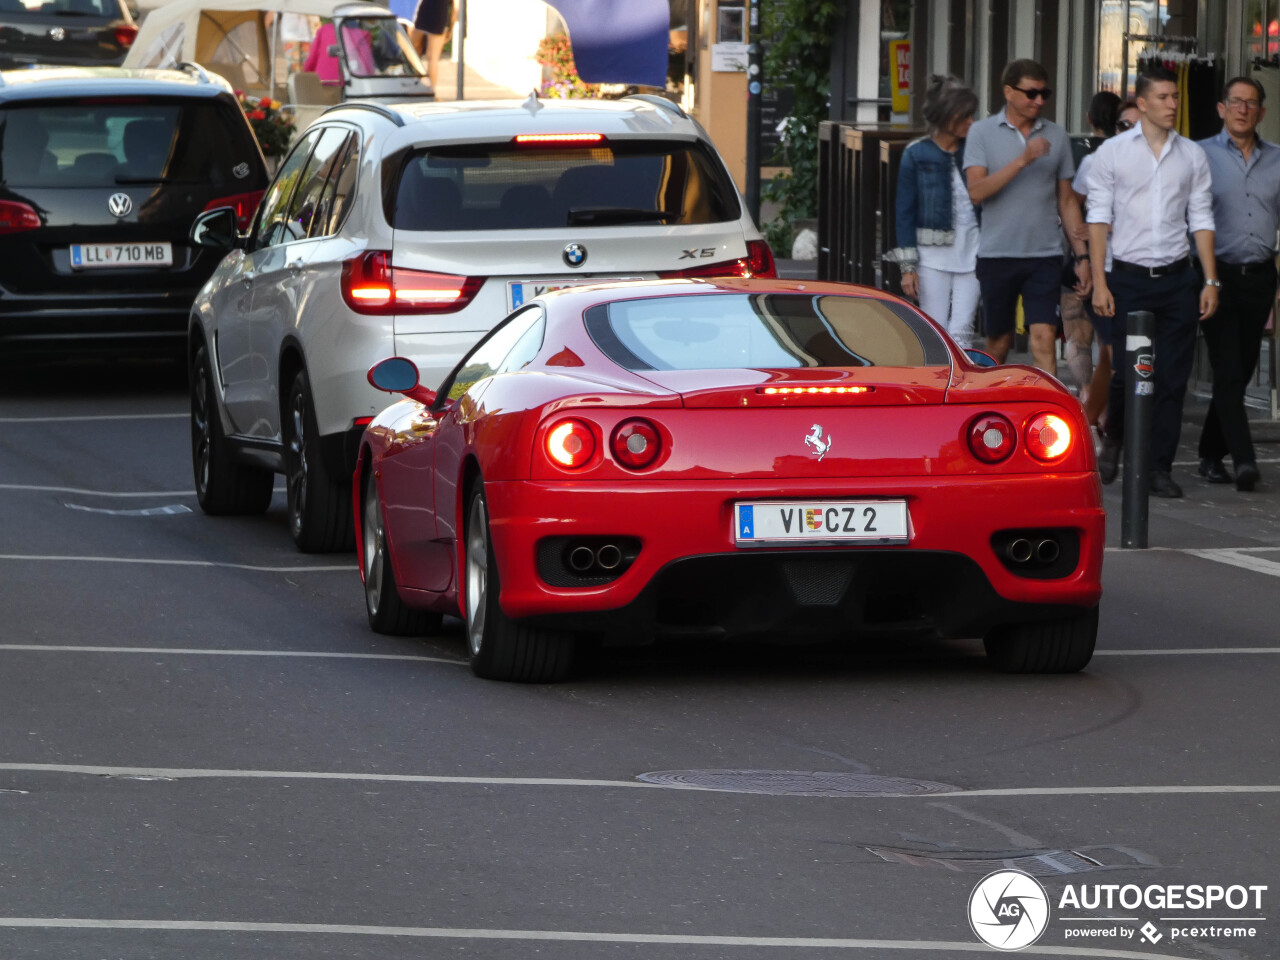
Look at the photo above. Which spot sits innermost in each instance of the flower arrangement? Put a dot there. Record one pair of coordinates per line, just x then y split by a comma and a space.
273, 128
563, 83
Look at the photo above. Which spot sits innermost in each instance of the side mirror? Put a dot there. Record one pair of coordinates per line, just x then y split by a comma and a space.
217, 229
400, 375
980, 358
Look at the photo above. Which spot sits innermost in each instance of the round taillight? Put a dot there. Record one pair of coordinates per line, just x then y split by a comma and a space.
1048, 436
991, 438
570, 443
636, 444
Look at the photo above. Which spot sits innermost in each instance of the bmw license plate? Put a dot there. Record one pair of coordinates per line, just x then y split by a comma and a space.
520, 292
94, 256
821, 522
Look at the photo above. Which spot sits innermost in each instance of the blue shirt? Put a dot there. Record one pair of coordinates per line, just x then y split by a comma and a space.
1246, 199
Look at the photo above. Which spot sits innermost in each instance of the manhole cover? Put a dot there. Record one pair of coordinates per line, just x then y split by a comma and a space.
795, 783
1038, 863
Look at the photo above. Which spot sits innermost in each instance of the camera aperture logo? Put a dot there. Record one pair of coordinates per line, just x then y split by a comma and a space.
1009, 910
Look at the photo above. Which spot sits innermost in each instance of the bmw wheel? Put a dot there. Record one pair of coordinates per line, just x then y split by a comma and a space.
387, 612
319, 507
223, 487
500, 648
1063, 645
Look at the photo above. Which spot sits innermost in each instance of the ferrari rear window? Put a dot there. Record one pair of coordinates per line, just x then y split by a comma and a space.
508, 186
769, 331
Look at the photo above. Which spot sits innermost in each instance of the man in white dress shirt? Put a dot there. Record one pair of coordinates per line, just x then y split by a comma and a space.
1150, 186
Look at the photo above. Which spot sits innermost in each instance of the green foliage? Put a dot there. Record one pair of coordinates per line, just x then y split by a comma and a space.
798, 38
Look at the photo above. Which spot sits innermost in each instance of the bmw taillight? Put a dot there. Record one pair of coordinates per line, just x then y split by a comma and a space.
370, 284
636, 444
570, 444
16, 217
244, 204
757, 263
992, 438
1048, 436
126, 34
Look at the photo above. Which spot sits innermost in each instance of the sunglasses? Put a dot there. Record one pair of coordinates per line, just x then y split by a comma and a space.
1123, 125
1036, 93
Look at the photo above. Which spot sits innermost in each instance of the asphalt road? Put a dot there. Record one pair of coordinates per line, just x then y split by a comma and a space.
205, 753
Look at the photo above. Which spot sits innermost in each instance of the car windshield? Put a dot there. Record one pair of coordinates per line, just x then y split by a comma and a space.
763, 331
512, 187
107, 142
69, 8
377, 47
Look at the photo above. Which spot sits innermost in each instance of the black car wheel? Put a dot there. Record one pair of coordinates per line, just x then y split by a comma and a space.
223, 486
319, 506
1064, 645
500, 648
387, 612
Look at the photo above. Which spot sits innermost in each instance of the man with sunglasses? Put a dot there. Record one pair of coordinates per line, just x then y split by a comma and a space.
1246, 214
1019, 169
1149, 187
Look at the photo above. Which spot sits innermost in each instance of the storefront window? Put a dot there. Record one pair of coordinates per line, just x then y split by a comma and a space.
1262, 29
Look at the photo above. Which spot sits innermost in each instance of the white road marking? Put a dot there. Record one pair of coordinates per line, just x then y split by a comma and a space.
1129, 552
170, 510
192, 773
78, 491
1237, 558
80, 418
1187, 652
560, 936
194, 652
1196, 463
32, 558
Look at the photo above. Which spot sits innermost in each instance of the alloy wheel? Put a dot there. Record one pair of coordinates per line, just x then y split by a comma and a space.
477, 575
200, 428
298, 462
373, 557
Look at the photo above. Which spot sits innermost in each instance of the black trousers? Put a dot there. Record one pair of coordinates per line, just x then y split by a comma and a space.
1175, 301
1234, 338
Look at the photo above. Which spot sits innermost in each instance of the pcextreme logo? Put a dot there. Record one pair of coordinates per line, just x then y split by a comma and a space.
1009, 910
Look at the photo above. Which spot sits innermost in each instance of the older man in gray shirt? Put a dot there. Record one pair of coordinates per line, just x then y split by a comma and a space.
1019, 169
1246, 211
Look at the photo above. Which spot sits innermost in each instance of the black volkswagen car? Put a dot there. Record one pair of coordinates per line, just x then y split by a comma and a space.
61, 32
102, 171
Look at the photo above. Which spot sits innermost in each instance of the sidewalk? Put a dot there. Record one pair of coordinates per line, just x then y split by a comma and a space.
474, 85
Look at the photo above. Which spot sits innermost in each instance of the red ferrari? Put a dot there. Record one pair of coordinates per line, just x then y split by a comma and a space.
722, 458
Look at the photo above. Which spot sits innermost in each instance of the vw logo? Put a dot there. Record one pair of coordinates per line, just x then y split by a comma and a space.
575, 254
120, 205
57, 33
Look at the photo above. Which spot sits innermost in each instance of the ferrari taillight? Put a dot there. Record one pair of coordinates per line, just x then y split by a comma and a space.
244, 204
16, 217
636, 444
757, 263
1048, 436
570, 444
370, 284
992, 438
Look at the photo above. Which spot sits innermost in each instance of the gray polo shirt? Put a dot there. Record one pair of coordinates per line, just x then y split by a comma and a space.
1246, 199
1022, 219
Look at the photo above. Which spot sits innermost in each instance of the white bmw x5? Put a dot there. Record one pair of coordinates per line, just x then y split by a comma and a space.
411, 229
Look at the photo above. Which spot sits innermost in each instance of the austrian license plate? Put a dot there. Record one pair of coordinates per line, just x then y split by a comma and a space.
821, 522
520, 292
95, 256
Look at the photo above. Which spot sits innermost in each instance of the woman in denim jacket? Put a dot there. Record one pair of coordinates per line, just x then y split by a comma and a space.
937, 224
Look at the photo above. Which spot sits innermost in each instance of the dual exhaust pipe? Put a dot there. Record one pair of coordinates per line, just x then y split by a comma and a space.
606, 557
1023, 550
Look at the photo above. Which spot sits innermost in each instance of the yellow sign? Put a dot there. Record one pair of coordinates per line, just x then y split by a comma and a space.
900, 75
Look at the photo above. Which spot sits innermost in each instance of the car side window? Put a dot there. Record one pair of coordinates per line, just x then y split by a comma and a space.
276, 203
510, 346
337, 198
314, 182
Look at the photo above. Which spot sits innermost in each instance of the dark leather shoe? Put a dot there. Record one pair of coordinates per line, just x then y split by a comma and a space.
1108, 461
1163, 485
1247, 476
1211, 469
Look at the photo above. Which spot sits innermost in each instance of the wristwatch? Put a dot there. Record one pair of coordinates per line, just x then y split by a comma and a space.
1212, 282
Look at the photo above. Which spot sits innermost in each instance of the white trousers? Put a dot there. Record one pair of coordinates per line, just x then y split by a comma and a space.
951, 299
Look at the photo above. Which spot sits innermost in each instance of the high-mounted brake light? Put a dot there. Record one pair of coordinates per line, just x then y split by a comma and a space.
534, 139
244, 204
570, 443
757, 263
371, 285
787, 391
991, 438
636, 444
1048, 436
125, 35
16, 217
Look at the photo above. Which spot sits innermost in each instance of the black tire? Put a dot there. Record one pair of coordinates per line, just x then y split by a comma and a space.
500, 648
1064, 645
223, 487
387, 612
319, 505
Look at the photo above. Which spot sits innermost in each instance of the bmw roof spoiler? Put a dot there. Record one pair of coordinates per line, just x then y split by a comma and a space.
658, 101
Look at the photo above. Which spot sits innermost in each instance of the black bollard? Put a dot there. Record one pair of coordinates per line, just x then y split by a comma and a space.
1139, 404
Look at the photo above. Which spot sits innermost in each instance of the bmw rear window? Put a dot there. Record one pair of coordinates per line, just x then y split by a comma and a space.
70, 8
101, 143
513, 187
763, 331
